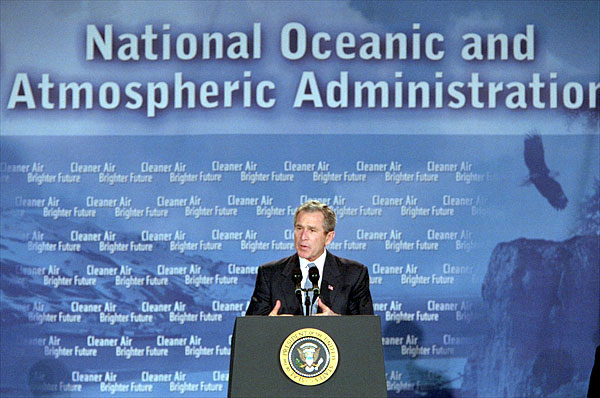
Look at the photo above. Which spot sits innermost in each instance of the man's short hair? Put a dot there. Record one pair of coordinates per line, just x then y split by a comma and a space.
329, 218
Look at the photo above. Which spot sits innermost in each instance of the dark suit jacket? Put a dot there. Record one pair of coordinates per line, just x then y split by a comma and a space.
344, 287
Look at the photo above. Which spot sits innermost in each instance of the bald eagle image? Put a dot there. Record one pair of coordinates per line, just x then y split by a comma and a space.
539, 174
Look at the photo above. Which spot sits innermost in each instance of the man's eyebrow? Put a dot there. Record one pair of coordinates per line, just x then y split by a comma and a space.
306, 225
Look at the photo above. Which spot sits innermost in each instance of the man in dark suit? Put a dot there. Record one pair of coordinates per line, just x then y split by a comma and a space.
344, 284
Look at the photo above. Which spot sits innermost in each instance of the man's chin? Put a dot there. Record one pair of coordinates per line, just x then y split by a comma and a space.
303, 253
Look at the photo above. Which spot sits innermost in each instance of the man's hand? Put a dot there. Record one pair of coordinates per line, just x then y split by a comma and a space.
275, 310
325, 310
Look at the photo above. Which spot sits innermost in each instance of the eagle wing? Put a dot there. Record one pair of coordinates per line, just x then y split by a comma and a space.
301, 355
534, 156
552, 191
539, 174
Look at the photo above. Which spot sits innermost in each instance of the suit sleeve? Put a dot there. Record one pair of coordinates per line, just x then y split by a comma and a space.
360, 302
260, 302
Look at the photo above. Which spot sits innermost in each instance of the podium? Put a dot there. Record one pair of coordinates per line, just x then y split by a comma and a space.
262, 347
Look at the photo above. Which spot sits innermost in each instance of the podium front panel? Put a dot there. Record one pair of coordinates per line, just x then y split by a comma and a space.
255, 369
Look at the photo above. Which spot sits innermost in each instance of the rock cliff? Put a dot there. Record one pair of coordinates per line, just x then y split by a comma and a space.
541, 301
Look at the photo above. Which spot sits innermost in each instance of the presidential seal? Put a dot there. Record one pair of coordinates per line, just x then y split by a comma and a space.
308, 356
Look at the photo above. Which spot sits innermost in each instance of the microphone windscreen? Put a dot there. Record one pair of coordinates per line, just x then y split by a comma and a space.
296, 276
313, 275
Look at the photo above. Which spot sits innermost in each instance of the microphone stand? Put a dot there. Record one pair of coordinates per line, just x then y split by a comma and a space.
307, 302
316, 293
297, 278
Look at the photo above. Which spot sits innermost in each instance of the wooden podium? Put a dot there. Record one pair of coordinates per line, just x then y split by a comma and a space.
258, 360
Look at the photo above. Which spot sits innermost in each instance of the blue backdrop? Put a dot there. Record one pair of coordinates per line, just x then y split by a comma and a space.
145, 176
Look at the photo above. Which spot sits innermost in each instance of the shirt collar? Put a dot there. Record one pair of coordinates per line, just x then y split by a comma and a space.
319, 262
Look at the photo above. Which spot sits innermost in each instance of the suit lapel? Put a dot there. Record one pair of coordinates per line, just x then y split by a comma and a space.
287, 287
331, 277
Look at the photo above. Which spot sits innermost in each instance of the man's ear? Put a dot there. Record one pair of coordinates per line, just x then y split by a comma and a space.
329, 237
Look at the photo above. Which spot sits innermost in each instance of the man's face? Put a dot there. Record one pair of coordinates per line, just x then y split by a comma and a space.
310, 238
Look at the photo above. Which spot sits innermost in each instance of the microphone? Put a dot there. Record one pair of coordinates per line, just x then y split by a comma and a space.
297, 279
313, 276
